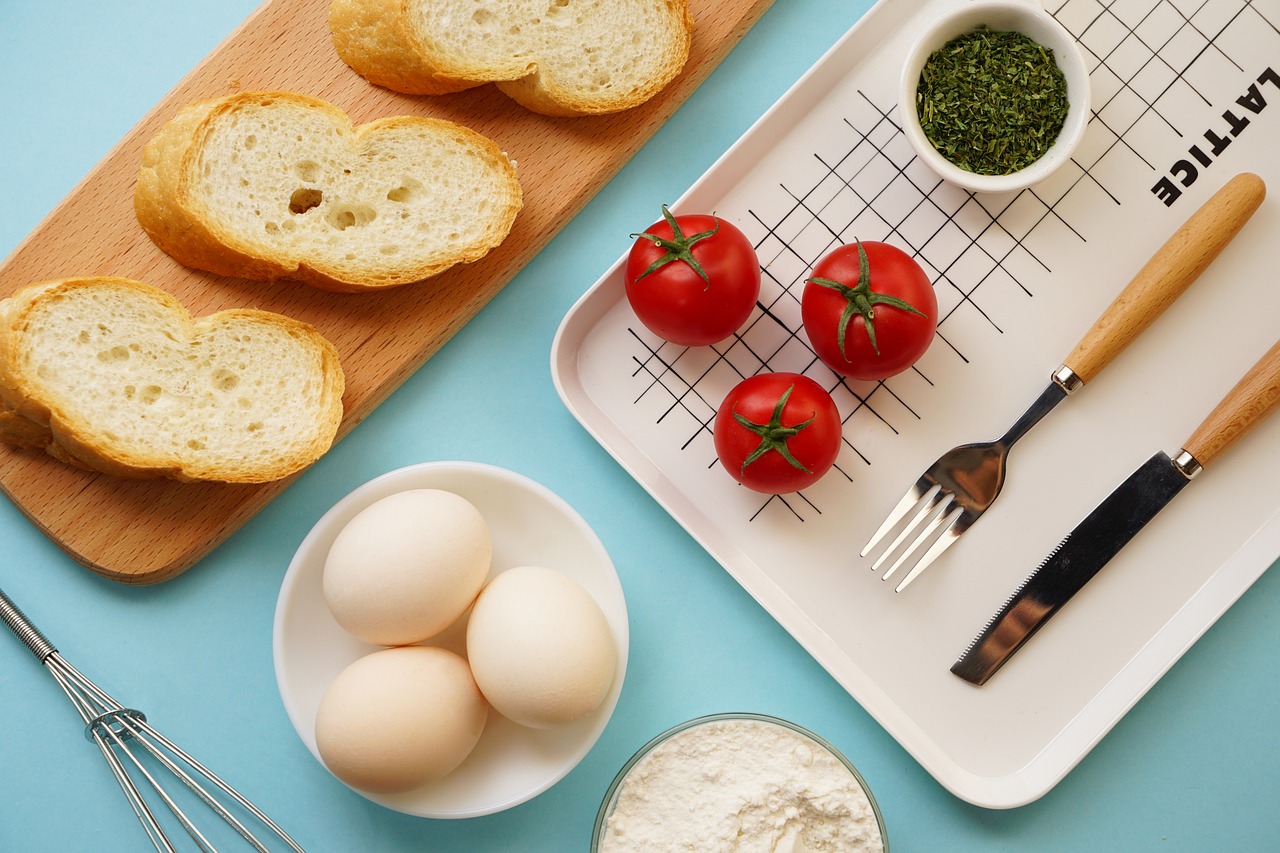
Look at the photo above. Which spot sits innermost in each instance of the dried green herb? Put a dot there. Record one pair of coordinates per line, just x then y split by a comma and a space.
992, 102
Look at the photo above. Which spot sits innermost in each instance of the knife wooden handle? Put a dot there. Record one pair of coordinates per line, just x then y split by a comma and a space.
1246, 405
1170, 271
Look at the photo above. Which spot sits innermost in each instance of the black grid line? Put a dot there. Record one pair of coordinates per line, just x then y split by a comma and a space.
876, 189
1146, 46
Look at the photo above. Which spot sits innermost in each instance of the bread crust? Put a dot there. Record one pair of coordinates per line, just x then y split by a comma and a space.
377, 39
164, 209
34, 416
190, 232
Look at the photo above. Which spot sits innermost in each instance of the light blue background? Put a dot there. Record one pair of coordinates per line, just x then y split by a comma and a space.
1193, 767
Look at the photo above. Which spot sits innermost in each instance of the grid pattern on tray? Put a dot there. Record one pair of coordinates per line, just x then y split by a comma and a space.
1150, 61
1145, 58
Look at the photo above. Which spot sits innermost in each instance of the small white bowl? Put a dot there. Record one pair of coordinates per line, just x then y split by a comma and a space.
1029, 18
530, 525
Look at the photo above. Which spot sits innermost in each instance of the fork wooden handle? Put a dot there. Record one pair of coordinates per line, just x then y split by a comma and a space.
1170, 271
1246, 405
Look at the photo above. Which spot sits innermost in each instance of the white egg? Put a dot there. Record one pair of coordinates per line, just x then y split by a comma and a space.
407, 566
540, 648
398, 719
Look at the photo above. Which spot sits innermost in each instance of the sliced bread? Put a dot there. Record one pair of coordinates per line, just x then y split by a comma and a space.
116, 376
557, 57
279, 185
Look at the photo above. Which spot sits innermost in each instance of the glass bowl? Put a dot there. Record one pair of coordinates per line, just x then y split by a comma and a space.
618, 786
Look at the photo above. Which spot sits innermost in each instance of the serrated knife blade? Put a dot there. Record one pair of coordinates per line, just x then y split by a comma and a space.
1115, 521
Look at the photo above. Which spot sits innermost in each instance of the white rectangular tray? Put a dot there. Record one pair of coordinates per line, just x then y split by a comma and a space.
1019, 279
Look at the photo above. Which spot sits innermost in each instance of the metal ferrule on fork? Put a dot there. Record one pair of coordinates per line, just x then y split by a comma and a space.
1067, 379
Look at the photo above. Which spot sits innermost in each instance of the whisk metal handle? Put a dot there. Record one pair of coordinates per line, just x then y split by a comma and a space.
118, 731
21, 626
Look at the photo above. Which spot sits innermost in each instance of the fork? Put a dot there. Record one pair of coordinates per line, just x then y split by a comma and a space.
954, 492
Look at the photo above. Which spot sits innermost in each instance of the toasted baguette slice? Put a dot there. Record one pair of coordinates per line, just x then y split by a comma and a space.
268, 185
557, 57
116, 376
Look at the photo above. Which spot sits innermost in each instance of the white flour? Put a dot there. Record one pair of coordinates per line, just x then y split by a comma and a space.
740, 786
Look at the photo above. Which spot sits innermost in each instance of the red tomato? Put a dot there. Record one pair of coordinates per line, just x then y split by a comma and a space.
869, 310
777, 432
693, 279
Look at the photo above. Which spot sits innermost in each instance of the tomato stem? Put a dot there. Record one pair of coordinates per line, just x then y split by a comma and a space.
773, 435
678, 248
861, 299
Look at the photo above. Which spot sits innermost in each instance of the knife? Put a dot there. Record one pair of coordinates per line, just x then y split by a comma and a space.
1116, 520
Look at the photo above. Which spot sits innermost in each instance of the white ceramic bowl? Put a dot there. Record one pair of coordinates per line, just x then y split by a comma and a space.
1029, 18
529, 525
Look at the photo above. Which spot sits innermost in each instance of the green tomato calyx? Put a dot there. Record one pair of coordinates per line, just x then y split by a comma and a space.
773, 435
678, 248
861, 299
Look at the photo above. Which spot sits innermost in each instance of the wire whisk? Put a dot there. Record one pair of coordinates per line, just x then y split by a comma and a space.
121, 732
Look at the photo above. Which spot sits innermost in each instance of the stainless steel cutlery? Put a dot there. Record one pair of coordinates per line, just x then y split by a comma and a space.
954, 492
1115, 521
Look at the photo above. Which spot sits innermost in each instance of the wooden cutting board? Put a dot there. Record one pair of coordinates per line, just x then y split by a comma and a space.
143, 532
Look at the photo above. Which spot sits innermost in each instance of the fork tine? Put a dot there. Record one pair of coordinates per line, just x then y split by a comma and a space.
942, 543
914, 496
946, 515
926, 506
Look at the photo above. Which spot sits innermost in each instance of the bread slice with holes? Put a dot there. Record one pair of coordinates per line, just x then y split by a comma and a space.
280, 185
116, 376
557, 57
